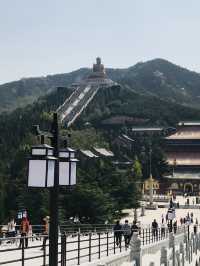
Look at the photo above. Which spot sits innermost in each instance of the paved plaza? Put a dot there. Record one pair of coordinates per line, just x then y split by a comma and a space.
157, 214
145, 221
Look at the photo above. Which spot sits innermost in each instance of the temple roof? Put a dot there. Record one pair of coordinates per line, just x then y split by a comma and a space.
104, 152
183, 158
125, 137
147, 128
89, 153
192, 132
183, 176
189, 123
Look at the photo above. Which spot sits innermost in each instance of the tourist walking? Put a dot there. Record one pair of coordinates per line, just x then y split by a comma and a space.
155, 229
162, 217
46, 231
24, 230
127, 233
134, 228
163, 230
175, 227
11, 228
118, 233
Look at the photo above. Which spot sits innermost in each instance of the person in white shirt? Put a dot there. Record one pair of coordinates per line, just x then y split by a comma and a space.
11, 229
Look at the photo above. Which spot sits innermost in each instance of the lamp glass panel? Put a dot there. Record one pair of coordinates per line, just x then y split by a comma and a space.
50, 174
73, 173
37, 173
38, 151
72, 154
50, 152
64, 173
63, 154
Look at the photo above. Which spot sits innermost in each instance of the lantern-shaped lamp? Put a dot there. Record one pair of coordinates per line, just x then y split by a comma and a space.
41, 166
67, 167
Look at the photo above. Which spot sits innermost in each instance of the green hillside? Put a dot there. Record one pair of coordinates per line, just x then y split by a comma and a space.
165, 80
156, 78
99, 184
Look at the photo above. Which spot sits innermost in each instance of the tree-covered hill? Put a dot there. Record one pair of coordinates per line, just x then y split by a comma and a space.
156, 78
139, 109
165, 80
98, 183
27, 90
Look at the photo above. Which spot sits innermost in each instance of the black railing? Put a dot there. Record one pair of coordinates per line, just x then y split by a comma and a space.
75, 248
70, 229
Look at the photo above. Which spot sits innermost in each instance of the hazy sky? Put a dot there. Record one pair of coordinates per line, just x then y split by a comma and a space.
40, 37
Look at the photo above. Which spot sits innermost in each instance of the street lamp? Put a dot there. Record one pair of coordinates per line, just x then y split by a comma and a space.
41, 166
50, 167
67, 167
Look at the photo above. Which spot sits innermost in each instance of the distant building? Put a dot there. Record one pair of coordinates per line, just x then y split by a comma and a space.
183, 155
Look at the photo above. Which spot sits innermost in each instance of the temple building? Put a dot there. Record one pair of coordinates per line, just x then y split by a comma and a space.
183, 155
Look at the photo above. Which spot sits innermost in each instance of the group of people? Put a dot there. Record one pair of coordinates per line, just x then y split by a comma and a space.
188, 219
125, 230
24, 229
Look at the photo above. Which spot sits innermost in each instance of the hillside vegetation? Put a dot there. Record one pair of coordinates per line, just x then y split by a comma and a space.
101, 190
157, 77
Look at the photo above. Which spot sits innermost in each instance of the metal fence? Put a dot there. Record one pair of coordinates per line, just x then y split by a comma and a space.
74, 248
63, 228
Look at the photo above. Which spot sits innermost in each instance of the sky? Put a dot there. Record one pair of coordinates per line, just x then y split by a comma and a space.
41, 37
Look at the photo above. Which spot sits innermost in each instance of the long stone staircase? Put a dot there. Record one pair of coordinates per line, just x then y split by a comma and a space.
76, 103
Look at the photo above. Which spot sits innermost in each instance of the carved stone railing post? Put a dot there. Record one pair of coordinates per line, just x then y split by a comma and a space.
190, 251
178, 258
142, 210
183, 254
172, 246
195, 244
192, 243
136, 252
186, 247
198, 241
163, 258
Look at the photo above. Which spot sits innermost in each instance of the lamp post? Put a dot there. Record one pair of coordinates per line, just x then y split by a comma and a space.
53, 231
150, 178
50, 167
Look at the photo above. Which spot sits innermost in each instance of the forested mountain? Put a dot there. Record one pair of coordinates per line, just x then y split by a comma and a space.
156, 77
101, 192
27, 90
165, 80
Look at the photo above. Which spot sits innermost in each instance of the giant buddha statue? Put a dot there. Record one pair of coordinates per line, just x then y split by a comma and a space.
98, 67
98, 70
98, 75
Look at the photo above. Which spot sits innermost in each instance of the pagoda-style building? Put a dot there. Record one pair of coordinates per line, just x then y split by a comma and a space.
183, 155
